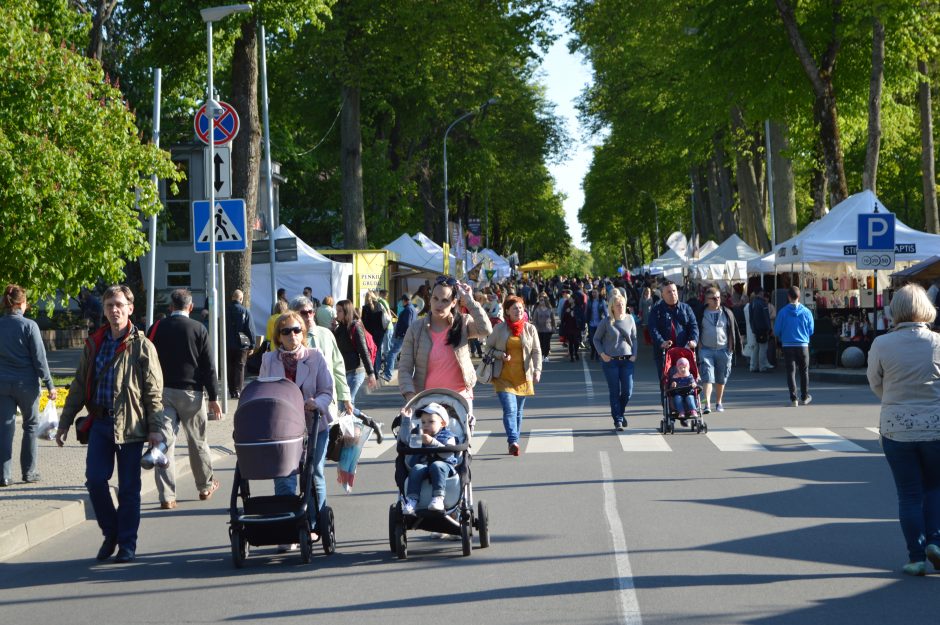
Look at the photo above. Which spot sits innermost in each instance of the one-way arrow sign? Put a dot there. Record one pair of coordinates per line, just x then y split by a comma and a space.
221, 167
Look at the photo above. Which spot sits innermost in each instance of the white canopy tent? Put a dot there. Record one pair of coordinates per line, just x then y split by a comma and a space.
669, 264
414, 255
707, 248
761, 264
311, 268
828, 239
499, 264
436, 251
727, 262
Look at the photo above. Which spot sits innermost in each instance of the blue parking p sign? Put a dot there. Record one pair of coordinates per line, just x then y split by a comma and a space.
876, 231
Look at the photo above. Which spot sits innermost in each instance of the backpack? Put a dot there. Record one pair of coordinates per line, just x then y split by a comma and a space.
370, 343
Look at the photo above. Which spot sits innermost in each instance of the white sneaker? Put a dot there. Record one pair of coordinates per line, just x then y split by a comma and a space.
437, 504
408, 507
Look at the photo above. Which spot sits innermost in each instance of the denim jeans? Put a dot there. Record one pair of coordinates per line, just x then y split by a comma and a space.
797, 358
386, 344
916, 471
437, 472
26, 396
392, 357
684, 404
512, 414
119, 523
619, 374
591, 331
355, 379
286, 486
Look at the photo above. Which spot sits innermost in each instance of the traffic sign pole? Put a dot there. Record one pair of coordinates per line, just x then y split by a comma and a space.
213, 293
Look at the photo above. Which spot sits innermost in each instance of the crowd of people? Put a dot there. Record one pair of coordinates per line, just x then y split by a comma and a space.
143, 387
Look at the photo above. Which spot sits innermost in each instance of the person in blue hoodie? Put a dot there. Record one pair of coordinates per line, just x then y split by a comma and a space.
793, 327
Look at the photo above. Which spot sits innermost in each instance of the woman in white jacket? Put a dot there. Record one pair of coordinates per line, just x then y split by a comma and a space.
904, 371
518, 366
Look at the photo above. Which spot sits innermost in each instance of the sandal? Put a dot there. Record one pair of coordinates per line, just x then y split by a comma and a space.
207, 493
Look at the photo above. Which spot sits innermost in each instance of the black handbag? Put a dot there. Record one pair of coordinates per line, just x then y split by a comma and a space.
244, 341
82, 429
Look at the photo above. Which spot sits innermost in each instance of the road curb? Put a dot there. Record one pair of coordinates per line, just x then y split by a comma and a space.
840, 376
35, 529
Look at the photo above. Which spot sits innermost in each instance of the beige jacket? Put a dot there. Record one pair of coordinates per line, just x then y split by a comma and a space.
416, 347
138, 388
531, 349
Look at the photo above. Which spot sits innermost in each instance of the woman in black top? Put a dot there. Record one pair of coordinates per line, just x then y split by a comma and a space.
351, 340
372, 313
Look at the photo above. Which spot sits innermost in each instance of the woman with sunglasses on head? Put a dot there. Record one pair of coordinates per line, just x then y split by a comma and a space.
307, 368
717, 335
351, 337
435, 352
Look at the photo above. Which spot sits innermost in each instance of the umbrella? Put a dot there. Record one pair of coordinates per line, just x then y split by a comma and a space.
538, 265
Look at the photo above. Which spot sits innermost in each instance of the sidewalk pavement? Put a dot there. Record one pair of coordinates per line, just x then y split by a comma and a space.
33, 513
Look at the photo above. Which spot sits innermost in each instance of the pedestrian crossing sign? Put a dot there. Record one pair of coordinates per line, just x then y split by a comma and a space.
228, 222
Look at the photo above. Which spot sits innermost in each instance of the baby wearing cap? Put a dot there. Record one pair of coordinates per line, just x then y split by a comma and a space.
684, 403
433, 466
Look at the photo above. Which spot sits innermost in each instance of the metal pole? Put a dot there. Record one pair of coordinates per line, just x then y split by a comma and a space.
224, 360
770, 187
446, 210
152, 264
267, 163
486, 225
213, 290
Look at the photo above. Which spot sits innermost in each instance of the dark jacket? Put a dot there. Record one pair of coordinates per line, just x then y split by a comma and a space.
237, 319
672, 323
732, 329
405, 319
185, 357
760, 316
372, 320
352, 345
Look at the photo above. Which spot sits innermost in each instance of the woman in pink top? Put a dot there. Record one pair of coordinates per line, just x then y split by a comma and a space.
434, 352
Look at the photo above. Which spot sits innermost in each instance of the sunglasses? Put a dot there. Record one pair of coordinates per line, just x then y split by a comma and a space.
289, 331
306, 312
446, 280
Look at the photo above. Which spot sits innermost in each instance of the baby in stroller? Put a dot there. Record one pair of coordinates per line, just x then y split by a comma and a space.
680, 392
435, 466
683, 384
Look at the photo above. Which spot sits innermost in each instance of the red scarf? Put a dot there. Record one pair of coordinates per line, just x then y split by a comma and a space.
515, 327
289, 360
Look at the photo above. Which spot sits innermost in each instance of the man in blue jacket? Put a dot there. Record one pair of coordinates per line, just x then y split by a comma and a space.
671, 323
405, 318
793, 327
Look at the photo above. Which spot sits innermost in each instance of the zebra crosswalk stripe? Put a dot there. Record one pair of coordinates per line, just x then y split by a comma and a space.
823, 439
548, 441
373, 450
643, 440
479, 439
734, 440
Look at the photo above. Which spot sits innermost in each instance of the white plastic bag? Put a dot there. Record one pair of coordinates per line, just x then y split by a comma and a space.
48, 421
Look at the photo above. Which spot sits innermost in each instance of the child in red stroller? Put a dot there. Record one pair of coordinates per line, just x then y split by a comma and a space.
680, 395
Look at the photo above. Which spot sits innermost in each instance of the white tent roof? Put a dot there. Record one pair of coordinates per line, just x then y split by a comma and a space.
707, 248
669, 264
411, 253
311, 268
727, 262
761, 264
500, 264
436, 251
826, 240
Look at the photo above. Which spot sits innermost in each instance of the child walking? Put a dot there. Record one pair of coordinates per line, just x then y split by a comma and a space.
433, 466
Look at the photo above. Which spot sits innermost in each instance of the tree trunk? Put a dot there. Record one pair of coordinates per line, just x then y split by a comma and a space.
725, 189
750, 209
354, 217
699, 204
819, 190
246, 153
928, 173
101, 16
784, 190
714, 196
870, 176
824, 108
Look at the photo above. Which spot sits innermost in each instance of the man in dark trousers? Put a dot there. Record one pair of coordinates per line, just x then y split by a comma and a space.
239, 341
671, 323
759, 314
120, 383
188, 380
405, 319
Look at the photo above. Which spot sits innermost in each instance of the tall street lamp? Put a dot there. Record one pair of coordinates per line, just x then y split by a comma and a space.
209, 16
446, 132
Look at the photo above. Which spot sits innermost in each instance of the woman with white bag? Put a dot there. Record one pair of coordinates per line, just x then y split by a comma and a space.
22, 364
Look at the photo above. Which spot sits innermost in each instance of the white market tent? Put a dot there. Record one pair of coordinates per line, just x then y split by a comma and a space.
499, 264
707, 248
414, 255
727, 262
311, 268
761, 264
436, 251
669, 264
826, 240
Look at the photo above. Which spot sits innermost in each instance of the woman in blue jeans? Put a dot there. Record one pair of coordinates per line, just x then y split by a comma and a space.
615, 341
307, 368
22, 363
518, 366
904, 371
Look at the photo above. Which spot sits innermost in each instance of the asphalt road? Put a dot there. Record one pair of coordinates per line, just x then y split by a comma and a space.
761, 521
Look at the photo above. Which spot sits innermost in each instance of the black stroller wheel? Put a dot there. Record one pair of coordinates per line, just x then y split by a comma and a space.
239, 548
401, 540
327, 530
483, 524
306, 545
465, 537
392, 517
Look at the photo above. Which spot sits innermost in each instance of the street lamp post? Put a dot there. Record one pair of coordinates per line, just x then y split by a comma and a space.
209, 16
446, 132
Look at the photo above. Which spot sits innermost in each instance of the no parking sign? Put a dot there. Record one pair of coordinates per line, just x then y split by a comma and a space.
226, 124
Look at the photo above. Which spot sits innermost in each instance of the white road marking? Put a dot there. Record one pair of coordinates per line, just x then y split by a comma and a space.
548, 441
629, 605
373, 450
734, 440
643, 440
822, 439
479, 439
588, 384
874, 431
